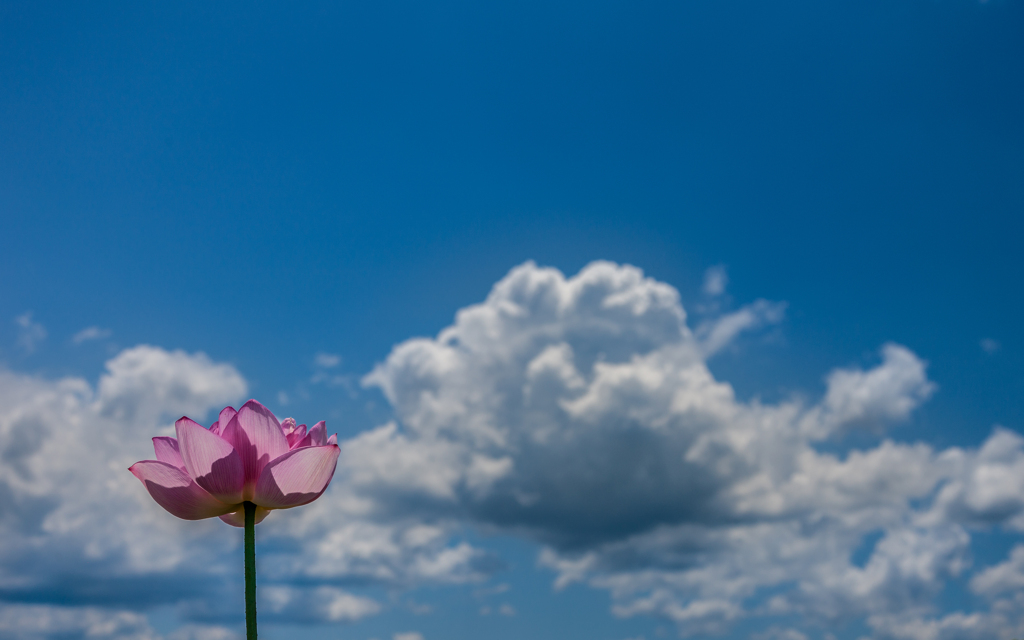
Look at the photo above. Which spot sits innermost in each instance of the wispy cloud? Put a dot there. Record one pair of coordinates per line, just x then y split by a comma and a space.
716, 334
324, 364
716, 278
90, 333
326, 360
30, 333
990, 346
504, 609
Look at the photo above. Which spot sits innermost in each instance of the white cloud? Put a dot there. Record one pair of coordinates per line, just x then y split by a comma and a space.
1006, 577
203, 632
145, 383
408, 635
40, 621
320, 604
30, 332
988, 486
577, 412
90, 333
1003, 622
507, 610
875, 398
323, 363
326, 360
580, 412
32, 621
716, 334
715, 280
780, 633
988, 345
79, 529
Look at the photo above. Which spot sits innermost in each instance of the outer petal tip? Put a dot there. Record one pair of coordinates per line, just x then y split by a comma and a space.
167, 450
297, 478
296, 436
173, 490
256, 434
318, 434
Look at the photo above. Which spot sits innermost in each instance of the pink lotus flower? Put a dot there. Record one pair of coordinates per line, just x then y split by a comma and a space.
246, 456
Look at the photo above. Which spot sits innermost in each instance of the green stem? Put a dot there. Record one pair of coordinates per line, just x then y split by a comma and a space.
250, 571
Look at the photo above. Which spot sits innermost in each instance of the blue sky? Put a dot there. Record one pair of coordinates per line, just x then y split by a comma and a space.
778, 190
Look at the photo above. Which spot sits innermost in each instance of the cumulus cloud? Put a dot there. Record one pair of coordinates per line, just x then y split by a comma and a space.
576, 412
320, 604
74, 530
580, 412
81, 532
42, 621
988, 486
31, 621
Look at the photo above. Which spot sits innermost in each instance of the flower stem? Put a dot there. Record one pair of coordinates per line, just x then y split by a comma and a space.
250, 571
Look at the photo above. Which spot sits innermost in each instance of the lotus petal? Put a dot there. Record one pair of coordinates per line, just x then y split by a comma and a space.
256, 434
176, 492
222, 421
237, 518
333, 439
319, 434
167, 451
296, 436
211, 461
297, 478
306, 441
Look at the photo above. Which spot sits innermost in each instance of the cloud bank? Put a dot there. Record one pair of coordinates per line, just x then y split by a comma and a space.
85, 549
578, 413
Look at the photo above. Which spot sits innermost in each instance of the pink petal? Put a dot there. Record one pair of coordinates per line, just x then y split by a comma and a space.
167, 451
319, 434
296, 436
222, 421
297, 478
306, 441
333, 439
287, 425
211, 461
237, 518
256, 435
176, 492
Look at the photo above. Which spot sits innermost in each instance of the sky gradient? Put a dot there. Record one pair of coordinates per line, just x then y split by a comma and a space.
694, 319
